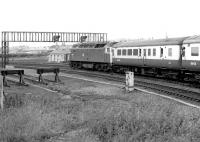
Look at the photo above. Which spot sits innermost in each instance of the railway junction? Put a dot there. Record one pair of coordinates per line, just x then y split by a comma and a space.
84, 104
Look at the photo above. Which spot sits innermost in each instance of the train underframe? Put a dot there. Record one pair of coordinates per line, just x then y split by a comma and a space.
176, 74
91, 65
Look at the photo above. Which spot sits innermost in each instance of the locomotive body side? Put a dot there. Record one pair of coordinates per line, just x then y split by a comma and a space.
91, 57
88, 55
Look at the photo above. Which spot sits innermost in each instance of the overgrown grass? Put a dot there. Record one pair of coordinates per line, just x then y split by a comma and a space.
142, 119
40, 118
149, 121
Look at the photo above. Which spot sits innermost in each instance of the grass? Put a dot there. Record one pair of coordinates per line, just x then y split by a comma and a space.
144, 118
149, 121
39, 118
40, 59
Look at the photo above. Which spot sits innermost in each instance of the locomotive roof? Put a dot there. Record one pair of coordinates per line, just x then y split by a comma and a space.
155, 42
192, 39
93, 44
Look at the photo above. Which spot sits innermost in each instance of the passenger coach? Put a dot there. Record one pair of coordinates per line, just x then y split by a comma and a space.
191, 57
162, 56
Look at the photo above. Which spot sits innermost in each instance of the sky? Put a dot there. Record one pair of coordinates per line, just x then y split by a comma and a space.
121, 19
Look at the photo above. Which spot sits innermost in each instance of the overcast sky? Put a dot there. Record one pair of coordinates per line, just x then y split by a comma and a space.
121, 19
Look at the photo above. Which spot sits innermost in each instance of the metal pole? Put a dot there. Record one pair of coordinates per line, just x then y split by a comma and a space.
2, 92
2, 59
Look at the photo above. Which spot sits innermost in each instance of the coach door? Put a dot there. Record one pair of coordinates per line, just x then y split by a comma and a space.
144, 57
163, 56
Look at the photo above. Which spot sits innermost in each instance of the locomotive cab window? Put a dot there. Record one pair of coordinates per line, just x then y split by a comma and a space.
154, 51
135, 52
169, 52
194, 51
124, 52
119, 52
129, 52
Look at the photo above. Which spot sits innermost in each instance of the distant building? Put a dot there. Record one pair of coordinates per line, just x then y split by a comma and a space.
59, 56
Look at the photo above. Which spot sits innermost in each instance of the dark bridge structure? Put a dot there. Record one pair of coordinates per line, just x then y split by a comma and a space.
23, 36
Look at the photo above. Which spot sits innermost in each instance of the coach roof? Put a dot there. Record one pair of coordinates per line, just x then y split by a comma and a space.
192, 39
155, 42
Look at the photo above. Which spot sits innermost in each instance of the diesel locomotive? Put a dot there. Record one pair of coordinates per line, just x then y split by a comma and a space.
169, 57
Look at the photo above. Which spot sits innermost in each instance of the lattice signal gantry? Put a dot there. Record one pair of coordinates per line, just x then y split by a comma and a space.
53, 37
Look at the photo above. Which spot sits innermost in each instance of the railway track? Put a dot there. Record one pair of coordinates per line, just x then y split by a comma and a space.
169, 89
62, 66
82, 97
65, 66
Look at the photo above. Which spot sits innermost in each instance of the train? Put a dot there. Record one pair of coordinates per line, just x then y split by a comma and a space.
177, 58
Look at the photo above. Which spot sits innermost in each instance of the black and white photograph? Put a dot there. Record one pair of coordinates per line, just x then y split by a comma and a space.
100, 71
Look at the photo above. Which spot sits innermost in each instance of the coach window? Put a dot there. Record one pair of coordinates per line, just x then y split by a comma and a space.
124, 52
169, 52
129, 52
183, 51
194, 51
135, 52
154, 51
144, 50
161, 52
149, 52
119, 52
140, 52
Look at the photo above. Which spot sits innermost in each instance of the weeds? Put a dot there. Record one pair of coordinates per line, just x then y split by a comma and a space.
142, 119
167, 124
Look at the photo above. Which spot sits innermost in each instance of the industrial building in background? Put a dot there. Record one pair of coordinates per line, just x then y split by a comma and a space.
61, 54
